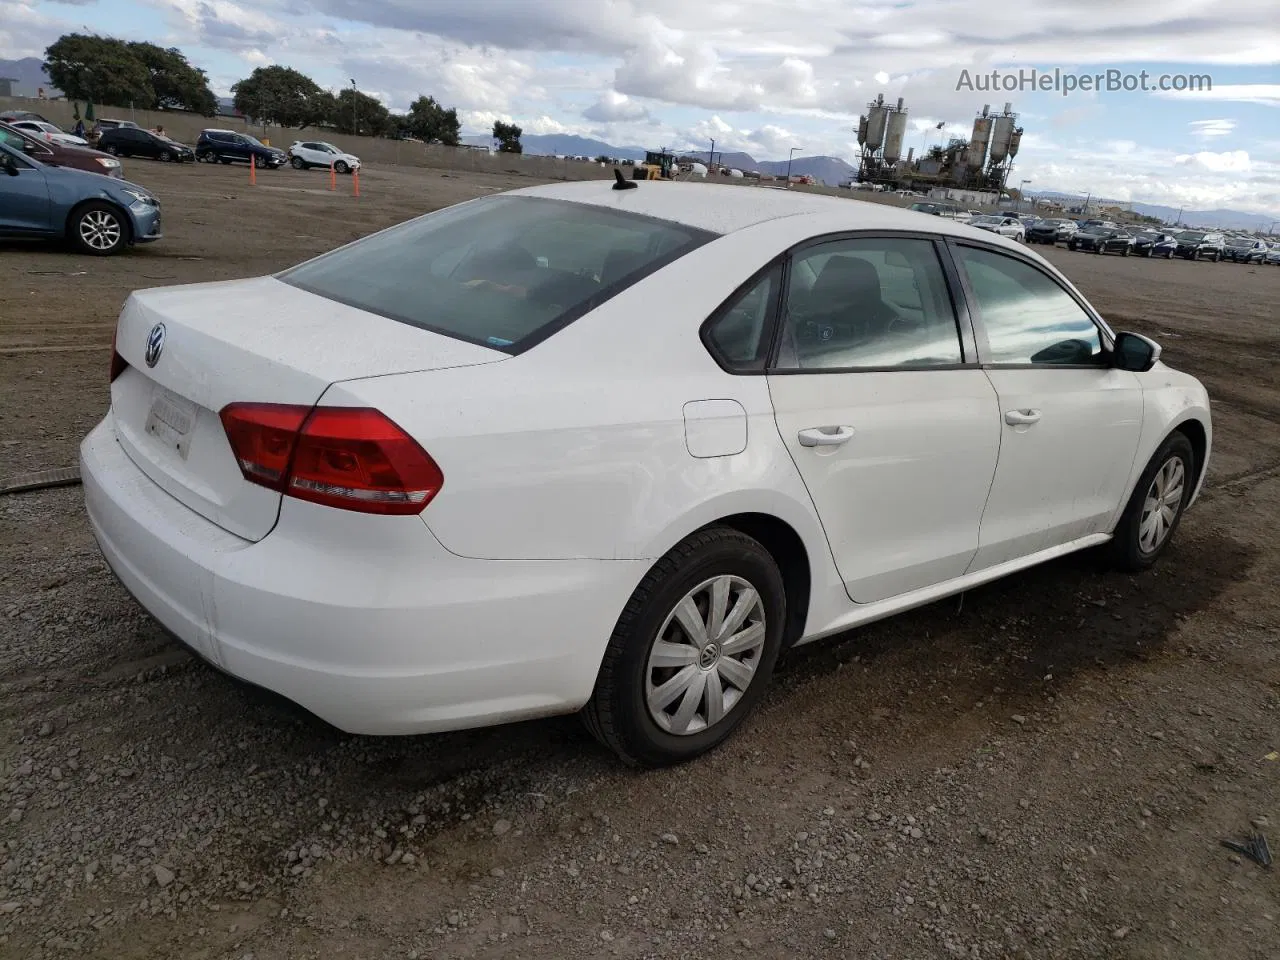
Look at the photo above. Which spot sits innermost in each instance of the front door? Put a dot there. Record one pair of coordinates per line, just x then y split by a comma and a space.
1069, 421
24, 199
895, 435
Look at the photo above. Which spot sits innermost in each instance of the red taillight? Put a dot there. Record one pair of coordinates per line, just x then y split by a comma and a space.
349, 457
118, 363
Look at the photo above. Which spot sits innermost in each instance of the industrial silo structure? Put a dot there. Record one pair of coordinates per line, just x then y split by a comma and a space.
877, 120
981, 138
895, 133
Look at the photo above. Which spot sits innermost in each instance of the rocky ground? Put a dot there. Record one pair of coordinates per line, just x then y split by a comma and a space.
1044, 770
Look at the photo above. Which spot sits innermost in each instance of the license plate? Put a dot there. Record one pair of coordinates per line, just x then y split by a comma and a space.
170, 420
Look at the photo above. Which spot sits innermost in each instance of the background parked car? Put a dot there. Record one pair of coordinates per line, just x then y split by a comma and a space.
227, 146
8, 116
110, 123
948, 210
316, 153
47, 131
1047, 231
1101, 240
1245, 250
54, 154
1273, 254
134, 142
1153, 243
97, 215
1201, 245
1005, 226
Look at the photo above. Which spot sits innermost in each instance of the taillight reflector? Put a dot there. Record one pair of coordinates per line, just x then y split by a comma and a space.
354, 458
118, 363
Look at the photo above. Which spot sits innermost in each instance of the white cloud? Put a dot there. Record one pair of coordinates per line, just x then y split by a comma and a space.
1230, 161
1267, 94
614, 106
1207, 129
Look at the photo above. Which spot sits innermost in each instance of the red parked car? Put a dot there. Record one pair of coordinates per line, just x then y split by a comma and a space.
61, 155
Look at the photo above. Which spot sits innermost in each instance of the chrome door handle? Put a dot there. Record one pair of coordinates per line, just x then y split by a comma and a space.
824, 436
1020, 417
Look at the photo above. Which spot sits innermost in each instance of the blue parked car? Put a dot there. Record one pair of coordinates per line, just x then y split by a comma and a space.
98, 215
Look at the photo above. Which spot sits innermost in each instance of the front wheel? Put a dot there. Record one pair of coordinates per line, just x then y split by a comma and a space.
1124, 252
259, 161
1169, 255
99, 229
693, 651
341, 167
166, 156
298, 163
1156, 506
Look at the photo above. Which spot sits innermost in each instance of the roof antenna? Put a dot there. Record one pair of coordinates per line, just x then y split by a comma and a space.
621, 182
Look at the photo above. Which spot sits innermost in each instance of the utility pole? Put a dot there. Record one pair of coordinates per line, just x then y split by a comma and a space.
355, 123
711, 157
789, 156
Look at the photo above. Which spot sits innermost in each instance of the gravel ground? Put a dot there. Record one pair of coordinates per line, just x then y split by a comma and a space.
1043, 770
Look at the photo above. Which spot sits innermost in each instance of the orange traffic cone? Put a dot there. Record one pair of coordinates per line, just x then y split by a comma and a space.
355, 180
253, 172
333, 178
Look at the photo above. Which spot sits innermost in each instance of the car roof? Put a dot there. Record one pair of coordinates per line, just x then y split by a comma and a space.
721, 208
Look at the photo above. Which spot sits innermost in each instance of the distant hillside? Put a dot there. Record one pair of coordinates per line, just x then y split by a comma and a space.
552, 144
1223, 219
29, 72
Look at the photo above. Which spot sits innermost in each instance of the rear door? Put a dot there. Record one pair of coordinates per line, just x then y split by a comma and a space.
1069, 422
24, 199
881, 403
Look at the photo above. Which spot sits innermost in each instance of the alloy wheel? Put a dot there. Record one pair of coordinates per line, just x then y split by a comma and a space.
100, 230
1162, 503
705, 655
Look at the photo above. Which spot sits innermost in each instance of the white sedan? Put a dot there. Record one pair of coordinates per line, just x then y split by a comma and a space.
611, 449
315, 153
1010, 227
47, 131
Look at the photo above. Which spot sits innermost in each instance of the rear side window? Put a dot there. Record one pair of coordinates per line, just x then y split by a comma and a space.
505, 272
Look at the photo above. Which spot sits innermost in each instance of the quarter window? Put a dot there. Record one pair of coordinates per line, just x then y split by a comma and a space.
739, 335
868, 303
1027, 316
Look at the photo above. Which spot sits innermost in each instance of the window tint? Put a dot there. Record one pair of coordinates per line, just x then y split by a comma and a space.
497, 271
868, 303
739, 334
1028, 317
12, 140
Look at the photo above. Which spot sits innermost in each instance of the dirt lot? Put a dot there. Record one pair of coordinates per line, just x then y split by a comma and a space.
1044, 771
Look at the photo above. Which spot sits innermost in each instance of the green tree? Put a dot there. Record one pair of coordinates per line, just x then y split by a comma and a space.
101, 69
283, 96
508, 137
430, 122
360, 114
176, 83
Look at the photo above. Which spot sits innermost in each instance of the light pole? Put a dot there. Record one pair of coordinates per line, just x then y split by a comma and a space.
711, 157
1021, 195
355, 124
789, 156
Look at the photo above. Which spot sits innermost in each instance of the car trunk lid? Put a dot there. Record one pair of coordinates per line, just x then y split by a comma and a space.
191, 350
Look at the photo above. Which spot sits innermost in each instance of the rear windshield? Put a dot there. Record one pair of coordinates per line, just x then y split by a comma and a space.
505, 272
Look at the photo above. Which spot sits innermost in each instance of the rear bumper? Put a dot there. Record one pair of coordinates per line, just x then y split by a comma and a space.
366, 622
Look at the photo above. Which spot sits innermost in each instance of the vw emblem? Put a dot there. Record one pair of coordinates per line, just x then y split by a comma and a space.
155, 344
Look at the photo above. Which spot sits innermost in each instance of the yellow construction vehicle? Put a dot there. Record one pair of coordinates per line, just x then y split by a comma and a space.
658, 165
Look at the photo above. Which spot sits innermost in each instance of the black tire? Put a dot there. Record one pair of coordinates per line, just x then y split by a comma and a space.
618, 714
165, 156
225, 160
1147, 253
111, 223
1169, 255
298, 163
1127, 552
1216, 256
341, 167
112, 149
1124, 252
203, 157
259, 161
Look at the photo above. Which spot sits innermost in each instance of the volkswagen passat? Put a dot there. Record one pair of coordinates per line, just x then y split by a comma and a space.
586, 448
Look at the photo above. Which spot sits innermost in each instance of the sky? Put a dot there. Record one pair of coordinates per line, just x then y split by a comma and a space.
763, 76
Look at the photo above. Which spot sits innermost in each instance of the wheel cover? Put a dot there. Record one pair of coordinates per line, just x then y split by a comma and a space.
100, 230
1160, 508
705, 656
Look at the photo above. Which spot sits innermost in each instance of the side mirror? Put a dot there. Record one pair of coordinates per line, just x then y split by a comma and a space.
9, 164
1134, 352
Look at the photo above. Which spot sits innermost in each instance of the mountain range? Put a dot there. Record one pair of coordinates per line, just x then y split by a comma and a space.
1220, 218
30, 76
